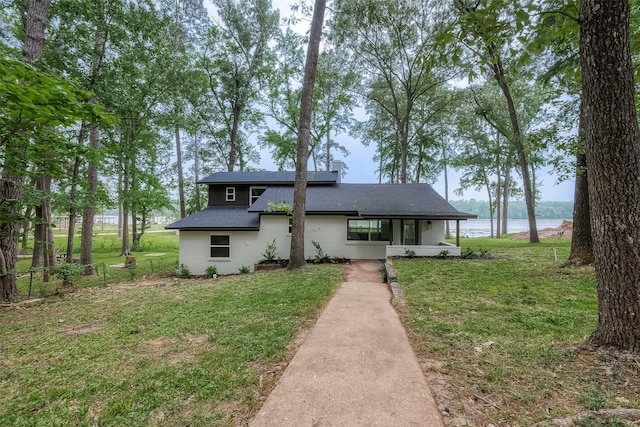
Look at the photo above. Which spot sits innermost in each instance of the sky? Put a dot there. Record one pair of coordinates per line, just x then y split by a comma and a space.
362, 168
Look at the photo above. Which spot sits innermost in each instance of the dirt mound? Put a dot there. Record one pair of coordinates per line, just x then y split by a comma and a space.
564, 231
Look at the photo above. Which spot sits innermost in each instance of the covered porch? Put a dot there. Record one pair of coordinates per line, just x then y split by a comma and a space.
411, 235
422, 237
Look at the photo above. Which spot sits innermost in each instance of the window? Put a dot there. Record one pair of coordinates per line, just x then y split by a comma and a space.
219, 247
231, 194
374, 230
254, 193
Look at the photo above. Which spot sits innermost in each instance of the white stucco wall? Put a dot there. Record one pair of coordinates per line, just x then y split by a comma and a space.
247, 247
432, 236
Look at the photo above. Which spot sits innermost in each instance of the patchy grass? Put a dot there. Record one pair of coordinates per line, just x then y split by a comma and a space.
160, 244
499, 337
172, 352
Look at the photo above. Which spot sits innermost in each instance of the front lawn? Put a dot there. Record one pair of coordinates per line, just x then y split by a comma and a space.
499, 337
163, 352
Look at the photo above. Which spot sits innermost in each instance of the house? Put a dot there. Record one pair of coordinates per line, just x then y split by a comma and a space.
356, 221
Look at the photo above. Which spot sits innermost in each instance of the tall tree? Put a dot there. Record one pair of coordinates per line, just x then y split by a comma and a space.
612, 141
189, 20
557, 38
332, 102
234, 57
486, 30
15, 162
394, 42
296, 256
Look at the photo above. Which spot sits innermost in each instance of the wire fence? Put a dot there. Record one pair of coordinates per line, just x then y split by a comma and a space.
43, 282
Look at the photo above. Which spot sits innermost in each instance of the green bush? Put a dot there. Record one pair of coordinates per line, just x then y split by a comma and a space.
271, 252
321, 256
443, 254
184, 272
211, 271
67, 272
244, 270
409, 253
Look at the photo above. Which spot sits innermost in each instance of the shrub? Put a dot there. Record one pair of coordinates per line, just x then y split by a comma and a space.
471, 254
67, 272
211, 271
409, 253
271, 252
279, 207
468, 253
244, 270
184, 272
321, 255
443, 254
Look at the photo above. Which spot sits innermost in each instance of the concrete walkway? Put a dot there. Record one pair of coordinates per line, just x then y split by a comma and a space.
356, 366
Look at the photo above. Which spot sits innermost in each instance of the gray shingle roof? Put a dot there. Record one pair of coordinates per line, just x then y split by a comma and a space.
368, 200
219, 218
268, 177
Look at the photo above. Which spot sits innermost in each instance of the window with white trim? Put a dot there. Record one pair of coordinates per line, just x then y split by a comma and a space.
230, 194
255, 193
372, 230
219, 246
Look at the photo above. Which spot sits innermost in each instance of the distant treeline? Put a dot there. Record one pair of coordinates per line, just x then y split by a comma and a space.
517, 209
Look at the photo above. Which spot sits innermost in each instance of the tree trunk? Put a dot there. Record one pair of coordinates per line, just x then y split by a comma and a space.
89, 211
581, 242
133, 208
73, 197
505, 199
447, 231
498, 185
522, 154
125, 251
43, 250
4, 279
613, 160
26, 228
15, 162
196, 167
296, 256
404, 152
328, 154
233, 139
183, 211
37, 16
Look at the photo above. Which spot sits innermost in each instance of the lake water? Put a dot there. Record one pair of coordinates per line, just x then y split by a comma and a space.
482, 227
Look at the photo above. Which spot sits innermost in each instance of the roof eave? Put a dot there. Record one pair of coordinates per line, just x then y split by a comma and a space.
214, 228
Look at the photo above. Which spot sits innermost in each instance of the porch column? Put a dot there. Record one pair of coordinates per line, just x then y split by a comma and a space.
458, 232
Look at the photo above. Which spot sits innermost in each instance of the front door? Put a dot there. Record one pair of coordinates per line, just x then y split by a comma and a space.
410, 232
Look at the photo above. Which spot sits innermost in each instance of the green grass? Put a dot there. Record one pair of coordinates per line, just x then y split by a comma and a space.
106, 259
506, 331
179, 352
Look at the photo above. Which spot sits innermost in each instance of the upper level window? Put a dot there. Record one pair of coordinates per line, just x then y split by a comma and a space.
254, 193
231, 194
374, 230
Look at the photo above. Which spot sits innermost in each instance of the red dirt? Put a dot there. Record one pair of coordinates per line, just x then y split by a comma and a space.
564, 231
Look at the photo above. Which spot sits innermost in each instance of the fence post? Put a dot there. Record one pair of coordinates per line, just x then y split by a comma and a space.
30, 281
